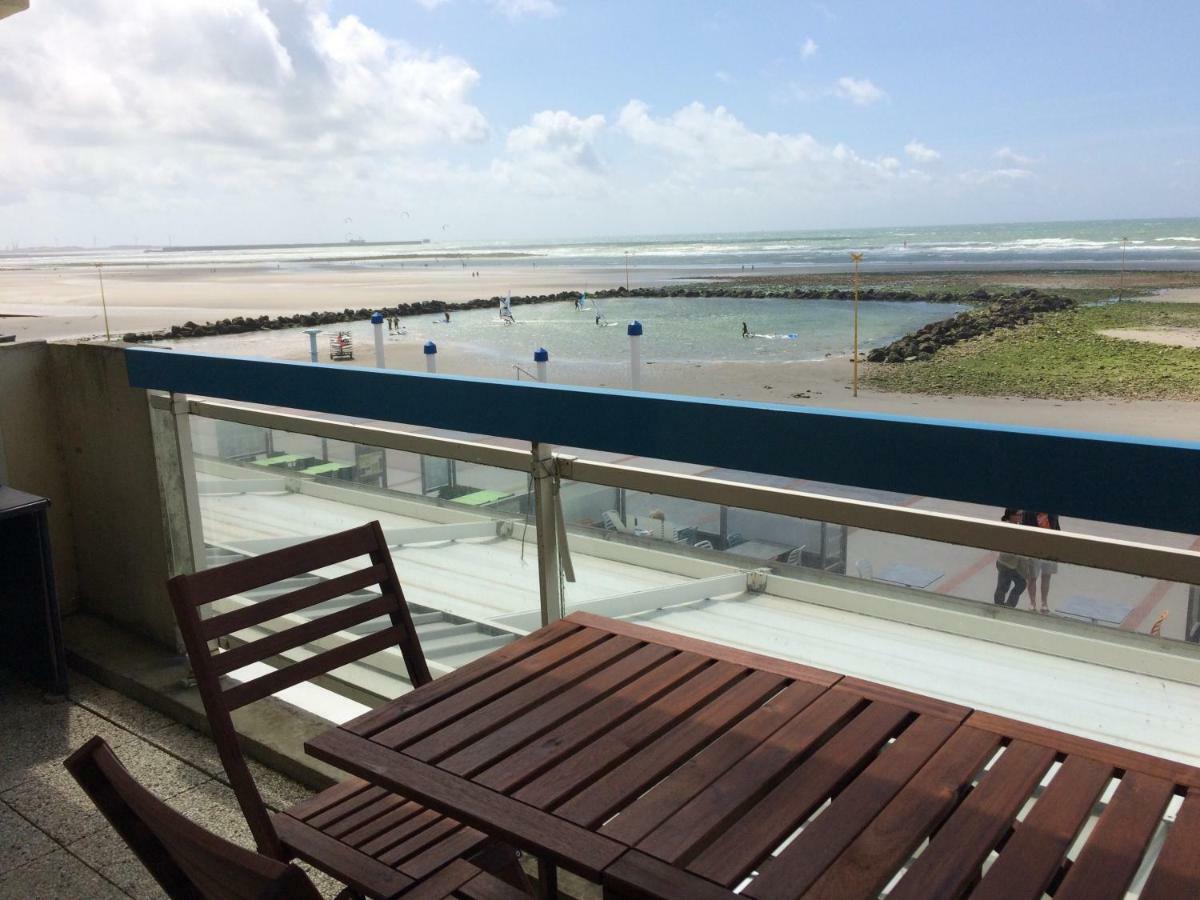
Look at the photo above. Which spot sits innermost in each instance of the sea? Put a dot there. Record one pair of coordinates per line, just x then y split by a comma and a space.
1141, 243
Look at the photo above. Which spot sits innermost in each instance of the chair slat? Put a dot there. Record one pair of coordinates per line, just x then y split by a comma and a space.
265, 685
292, 601
246, 574
360, 871
299, 635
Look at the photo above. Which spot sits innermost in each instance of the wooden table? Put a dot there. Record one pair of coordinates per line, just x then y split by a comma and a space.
663, 766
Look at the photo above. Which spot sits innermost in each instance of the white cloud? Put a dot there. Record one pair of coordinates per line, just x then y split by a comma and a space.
1012, 157
808, 49
117, 97
713, 146
918, 152
722, 76
516, 9
432, 4
860, 91
554, 153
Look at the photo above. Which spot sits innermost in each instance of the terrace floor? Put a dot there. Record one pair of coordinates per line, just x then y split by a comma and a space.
53, 841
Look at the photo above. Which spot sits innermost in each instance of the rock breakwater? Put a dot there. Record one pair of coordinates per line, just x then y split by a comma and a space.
1002, 312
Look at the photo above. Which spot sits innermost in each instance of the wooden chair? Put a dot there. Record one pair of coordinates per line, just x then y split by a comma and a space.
379, 843
187, 860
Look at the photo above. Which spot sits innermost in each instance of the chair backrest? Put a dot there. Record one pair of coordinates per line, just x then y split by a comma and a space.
612, 522
703, 545
187, 860
191, 593
794, 556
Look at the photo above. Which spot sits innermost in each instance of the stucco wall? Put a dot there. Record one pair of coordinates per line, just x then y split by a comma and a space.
120, 547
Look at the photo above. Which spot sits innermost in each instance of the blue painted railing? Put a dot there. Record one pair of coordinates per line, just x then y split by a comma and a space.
1127, 480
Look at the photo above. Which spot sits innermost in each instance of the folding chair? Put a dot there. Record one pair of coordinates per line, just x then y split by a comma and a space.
185, 859
379, 843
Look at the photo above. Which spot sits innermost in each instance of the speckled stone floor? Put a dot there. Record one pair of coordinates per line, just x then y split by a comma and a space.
53, 841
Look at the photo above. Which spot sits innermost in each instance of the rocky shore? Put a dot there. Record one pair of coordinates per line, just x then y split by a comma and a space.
243, 324
1002, 312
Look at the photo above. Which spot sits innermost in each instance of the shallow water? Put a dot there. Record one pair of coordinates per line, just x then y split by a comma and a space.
676, 329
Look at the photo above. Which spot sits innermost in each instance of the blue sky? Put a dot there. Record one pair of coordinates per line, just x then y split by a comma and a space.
280, 119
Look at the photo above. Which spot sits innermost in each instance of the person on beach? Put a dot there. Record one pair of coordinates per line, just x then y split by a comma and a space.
447, 315
745, 331
1041, 567
1013, 572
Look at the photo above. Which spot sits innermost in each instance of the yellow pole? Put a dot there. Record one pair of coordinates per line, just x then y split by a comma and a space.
857, 257
1121, 283
103, 303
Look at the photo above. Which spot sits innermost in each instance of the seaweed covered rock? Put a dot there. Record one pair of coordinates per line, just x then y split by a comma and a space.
1005, 312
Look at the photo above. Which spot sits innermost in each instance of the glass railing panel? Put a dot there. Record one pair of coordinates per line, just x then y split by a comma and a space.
458, 532
706, 539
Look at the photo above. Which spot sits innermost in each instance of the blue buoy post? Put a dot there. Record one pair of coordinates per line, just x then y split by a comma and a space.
431, 357
377, 323
312, 342
635, 354
541, 356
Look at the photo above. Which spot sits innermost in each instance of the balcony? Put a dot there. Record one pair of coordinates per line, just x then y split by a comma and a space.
854, 543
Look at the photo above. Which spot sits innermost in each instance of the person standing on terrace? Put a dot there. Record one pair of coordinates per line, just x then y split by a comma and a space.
1013, 572
1043, 567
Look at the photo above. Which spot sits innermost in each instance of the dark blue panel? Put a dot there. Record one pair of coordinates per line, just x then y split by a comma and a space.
1134, 481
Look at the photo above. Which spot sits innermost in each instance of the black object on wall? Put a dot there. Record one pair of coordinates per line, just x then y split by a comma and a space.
31, 642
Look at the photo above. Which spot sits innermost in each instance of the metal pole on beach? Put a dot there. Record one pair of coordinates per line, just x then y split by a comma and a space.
857, 257
377, 324
103, 302
635, 354
1121, 283
431, 357
541, 356
312, 342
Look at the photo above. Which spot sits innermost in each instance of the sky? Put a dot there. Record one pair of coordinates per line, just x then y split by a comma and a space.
222, 121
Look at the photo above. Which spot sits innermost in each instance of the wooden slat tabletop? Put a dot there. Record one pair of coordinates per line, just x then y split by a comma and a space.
664, 766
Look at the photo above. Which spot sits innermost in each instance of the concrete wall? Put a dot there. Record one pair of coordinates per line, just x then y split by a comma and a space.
31, 457
121, 551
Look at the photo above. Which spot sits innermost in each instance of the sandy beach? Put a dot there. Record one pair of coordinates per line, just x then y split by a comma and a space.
63, 303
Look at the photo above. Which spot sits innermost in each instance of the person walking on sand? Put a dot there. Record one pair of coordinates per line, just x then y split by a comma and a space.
1013, 572
1041, 567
